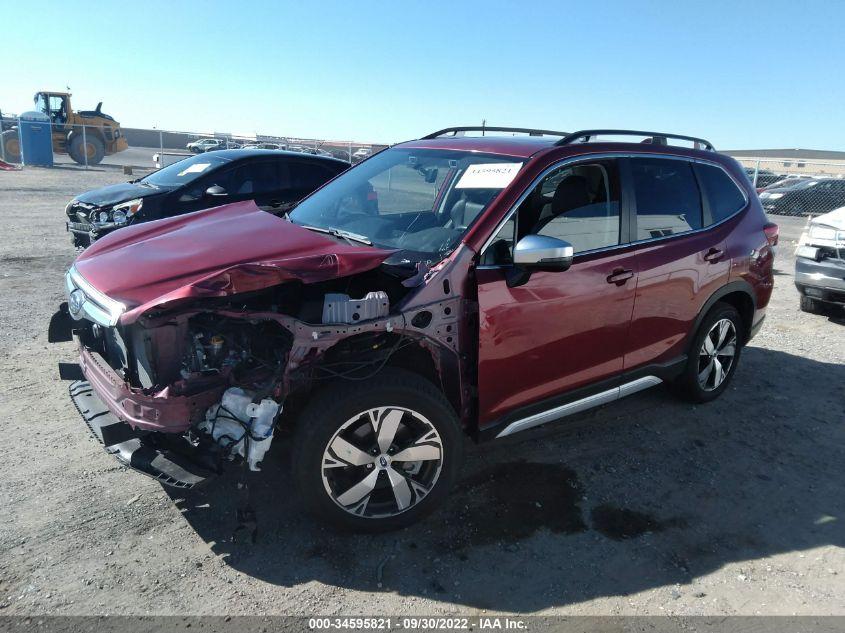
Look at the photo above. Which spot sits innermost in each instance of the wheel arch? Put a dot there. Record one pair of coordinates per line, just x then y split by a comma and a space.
90, 131
417, 355
738, 294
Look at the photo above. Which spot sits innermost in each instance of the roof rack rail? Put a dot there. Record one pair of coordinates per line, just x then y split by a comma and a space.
657, 138
491, 128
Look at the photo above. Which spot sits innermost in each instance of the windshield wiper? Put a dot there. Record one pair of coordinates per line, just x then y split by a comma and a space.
345, 235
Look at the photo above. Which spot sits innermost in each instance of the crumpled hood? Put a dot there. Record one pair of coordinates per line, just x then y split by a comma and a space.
121, 192
835, 218
213, 253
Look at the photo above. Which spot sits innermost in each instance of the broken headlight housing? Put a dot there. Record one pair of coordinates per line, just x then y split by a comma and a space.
122, 212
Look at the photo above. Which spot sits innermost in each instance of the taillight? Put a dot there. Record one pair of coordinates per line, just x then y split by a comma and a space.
772, 231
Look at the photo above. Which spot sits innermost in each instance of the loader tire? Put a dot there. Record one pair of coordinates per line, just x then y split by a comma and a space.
11, 147
95, 148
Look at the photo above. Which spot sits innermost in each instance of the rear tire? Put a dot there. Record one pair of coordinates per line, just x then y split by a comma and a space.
11, 147
713, 355
96, 149
347, 450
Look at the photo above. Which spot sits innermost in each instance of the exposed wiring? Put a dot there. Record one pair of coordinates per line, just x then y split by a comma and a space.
350, 374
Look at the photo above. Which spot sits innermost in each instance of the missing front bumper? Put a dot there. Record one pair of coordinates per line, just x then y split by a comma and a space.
150, 453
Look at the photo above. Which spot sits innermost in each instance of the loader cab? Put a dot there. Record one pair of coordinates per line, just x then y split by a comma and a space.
55, 105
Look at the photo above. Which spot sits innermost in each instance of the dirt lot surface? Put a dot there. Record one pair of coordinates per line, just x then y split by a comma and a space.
651, 506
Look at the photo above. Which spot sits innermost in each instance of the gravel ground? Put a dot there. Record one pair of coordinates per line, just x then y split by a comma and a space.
651, 506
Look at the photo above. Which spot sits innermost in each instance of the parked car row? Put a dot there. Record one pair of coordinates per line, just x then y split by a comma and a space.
803, 196
213, 144
762, 178
449, 288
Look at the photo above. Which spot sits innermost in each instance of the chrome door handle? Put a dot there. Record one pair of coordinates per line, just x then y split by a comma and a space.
713, 255
619, 276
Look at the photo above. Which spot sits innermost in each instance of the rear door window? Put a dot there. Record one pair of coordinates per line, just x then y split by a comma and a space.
667, 197
307, 176
262, 177
723, 195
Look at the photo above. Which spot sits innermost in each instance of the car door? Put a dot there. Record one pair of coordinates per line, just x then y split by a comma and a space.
559, 331
680, 261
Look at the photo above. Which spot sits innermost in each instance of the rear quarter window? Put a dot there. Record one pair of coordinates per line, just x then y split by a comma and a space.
722, 192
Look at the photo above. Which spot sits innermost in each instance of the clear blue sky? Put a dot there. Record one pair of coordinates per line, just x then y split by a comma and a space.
743, 74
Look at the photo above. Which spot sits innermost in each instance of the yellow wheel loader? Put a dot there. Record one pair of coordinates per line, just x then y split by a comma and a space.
101, 137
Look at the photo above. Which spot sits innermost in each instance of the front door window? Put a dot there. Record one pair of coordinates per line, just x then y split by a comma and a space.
577, 203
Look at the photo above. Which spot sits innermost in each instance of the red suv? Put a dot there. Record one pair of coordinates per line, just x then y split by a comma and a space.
446, 287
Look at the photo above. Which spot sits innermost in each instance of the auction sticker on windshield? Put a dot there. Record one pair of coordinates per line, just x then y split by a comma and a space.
196, 168
488, 176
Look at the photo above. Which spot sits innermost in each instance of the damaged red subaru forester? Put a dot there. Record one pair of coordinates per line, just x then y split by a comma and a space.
457, 285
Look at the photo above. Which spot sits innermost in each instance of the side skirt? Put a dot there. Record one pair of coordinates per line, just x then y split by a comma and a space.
583, 399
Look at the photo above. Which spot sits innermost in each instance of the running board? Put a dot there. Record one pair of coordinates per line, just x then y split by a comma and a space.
138, 450
590, 402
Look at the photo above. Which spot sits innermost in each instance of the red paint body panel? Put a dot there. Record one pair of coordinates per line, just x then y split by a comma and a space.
674, 283
226, 250
557, 332
752, 257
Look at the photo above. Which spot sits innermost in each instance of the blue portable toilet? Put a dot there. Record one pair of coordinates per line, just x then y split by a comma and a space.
36, 139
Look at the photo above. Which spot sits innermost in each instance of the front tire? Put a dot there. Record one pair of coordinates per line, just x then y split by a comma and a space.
713, 356
92, 146
376, 455
810, 305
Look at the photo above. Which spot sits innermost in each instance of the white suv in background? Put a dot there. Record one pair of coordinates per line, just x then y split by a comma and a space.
205, 145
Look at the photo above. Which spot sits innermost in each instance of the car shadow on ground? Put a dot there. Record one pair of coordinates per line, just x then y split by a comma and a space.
648, 493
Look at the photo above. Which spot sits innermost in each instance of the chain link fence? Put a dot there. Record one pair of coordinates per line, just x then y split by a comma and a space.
797, 187
786, 186
108, 144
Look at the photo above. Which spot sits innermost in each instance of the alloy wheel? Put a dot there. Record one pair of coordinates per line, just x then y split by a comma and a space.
716, 356
382, 462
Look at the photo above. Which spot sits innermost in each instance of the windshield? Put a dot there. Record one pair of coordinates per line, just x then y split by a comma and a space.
185, 171
418, 201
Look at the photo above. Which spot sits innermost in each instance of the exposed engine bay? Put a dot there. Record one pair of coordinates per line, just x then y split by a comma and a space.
224, 372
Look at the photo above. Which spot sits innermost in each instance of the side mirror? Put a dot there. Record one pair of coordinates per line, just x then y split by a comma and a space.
216, 191
541, 251
538, 252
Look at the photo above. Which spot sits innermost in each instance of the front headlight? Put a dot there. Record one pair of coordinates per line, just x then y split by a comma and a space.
125, 210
